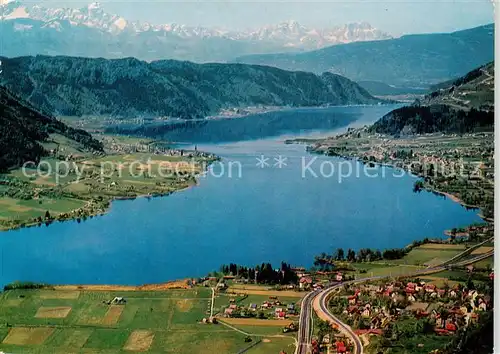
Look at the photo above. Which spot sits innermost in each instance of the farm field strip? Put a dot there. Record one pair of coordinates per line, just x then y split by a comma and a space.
256, 322
442, 246
481, 250
168, 321
277, 293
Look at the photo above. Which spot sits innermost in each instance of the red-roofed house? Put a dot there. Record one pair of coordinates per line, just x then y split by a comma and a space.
352, 299
441, 331
410, 291
340, 347
305, 282
377, 331
430, 288
451, 327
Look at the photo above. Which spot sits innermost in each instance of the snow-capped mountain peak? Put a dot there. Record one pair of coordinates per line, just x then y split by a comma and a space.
92, 31
294, 34
289, 33
92, 15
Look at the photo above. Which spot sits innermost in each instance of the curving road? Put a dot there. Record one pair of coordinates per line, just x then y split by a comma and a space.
305, 328
321, 299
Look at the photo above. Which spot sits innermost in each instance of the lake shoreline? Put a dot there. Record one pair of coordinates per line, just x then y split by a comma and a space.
320, 149
275, 109
105, 206
181, 237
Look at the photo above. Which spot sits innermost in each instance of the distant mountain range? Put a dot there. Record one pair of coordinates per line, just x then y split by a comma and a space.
129, 87
92, 32
464, 105
24, 129
415, 61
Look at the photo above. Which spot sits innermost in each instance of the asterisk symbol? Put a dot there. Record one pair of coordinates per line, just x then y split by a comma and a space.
280, 161
262, 161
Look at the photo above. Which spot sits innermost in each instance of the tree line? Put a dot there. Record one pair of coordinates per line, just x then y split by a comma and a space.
263, 273
327, 261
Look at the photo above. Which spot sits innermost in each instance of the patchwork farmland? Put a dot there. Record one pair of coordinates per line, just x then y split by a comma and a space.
63, 321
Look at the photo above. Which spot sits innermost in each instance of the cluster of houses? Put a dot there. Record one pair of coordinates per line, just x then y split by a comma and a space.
385, 151
123, 148
306, 282
272, 307
338, 346
449, 308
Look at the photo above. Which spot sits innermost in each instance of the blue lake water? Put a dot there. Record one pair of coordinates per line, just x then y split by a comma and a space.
248, 216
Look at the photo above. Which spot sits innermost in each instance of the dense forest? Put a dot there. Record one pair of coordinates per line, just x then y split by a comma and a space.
129, 87
439, 118
23, 129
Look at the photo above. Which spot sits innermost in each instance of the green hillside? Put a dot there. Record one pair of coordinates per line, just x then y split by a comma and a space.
462, 106
129, 87
24, 130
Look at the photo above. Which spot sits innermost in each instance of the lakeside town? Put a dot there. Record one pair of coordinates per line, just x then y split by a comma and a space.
459, 166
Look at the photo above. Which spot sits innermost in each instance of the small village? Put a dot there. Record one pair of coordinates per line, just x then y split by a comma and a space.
267, 309
460, 166
121, 145
375, 309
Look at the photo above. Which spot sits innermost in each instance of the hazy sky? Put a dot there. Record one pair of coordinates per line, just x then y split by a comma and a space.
395, 17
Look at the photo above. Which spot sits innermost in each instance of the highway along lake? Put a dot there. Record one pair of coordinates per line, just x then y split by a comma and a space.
265, 201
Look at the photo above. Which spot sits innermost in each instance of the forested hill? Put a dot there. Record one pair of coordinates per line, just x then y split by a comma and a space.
130, 88
23, 130
462, 105
475, 90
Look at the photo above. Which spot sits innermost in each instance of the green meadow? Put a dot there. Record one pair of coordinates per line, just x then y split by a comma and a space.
60, 321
